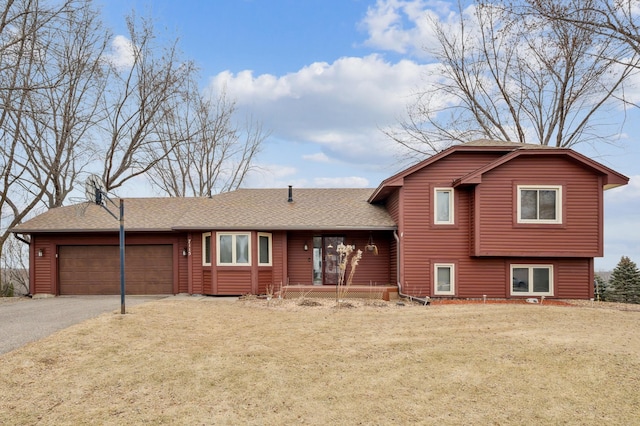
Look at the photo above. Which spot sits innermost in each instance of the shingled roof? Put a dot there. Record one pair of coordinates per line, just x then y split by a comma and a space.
244, 209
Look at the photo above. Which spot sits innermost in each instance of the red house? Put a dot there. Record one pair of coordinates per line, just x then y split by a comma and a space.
486, 218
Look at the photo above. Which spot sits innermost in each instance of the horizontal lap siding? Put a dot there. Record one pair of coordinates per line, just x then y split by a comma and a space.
477, 277
573, 279
198, 278
300, 262
265, 279
579, 234
425, 243
372, 269
44, 276
234, 282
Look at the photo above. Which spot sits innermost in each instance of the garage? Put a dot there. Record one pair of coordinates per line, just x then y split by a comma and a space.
95, 270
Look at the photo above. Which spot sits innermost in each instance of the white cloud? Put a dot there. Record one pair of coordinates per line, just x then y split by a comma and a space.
122, 52
319, 157
340, 107
342, 182
406, 26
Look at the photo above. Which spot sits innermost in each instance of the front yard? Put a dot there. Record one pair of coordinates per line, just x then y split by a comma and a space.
210, 361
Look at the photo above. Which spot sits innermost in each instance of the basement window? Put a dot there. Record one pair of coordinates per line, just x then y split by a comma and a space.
444, 281
532, 280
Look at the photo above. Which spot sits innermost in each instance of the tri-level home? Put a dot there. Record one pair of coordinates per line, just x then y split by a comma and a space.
481, 219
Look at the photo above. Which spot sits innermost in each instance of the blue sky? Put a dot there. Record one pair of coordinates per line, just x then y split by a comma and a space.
324, 76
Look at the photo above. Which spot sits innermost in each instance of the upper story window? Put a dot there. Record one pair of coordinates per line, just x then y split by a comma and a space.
443, 206
539, 204
234, 248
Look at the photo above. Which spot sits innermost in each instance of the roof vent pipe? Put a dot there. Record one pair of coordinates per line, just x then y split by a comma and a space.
290, 199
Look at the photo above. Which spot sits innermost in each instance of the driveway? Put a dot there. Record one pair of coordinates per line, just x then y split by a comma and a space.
24, 320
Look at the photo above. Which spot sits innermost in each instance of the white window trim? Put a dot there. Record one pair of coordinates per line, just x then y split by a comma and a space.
531, 267
233, 249
435, 206
557, 188
204, 248
270, 237
452, 290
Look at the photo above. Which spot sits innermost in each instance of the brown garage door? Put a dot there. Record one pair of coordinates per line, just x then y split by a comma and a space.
96, 269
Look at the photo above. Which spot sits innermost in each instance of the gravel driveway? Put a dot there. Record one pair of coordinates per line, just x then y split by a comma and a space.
24, 320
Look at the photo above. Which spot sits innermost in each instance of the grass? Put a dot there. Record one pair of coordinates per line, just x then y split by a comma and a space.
210, 361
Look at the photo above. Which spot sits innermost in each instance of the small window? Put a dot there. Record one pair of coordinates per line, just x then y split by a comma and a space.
444, 279
539, 204
443, 206
264, 249
531, 280
234, 249
206, 249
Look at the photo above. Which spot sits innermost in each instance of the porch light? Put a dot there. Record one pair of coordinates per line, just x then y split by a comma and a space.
306, 247
40, 252
184, 252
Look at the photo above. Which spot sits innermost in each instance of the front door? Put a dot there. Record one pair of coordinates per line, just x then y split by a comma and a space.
325, 259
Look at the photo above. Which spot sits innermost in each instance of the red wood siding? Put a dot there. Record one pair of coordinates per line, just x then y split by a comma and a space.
499, 234
233, 281
300, 262
371, 270
485, 225
421, 239
198, 278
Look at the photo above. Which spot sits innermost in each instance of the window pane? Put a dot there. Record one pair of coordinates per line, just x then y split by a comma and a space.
540, 280
444, 279
242, 249
226, 253
528, 204
207, 249
520, 280
442, 206
264, 249
547, 204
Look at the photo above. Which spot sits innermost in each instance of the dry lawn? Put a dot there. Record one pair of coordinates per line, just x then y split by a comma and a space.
210, 361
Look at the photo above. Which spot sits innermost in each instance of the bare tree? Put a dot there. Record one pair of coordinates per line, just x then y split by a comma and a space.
59, 138
140, 95
504, 77
208, 151
24, 45
616, 20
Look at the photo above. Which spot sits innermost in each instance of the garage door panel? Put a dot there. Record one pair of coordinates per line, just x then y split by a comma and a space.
95, 270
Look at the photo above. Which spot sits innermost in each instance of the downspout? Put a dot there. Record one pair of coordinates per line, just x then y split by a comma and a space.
424, 300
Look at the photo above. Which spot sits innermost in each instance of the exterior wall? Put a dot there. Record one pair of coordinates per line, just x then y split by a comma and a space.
44, 270
372, 269
485, 239
423, 242
237, 280
499, 234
